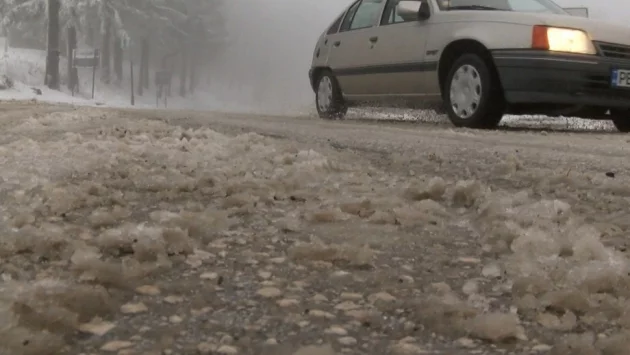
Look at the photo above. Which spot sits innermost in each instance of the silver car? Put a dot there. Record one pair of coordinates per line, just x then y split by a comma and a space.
474, 59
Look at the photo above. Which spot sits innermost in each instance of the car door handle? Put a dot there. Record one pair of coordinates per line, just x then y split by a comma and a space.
337, 43
374, 39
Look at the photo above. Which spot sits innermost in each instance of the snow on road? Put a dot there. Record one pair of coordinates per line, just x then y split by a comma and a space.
148, 231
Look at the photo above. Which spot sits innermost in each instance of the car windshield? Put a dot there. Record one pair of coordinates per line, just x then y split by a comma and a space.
543, 6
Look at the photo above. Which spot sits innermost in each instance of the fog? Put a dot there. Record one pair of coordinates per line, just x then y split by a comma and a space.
265, 68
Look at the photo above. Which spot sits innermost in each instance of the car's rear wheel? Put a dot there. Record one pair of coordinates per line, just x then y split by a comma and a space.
328, 97
473, 96
621, 120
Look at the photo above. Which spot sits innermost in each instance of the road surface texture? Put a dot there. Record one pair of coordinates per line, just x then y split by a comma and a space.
173, 232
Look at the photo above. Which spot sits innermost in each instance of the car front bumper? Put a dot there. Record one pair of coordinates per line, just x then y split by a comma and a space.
540, 77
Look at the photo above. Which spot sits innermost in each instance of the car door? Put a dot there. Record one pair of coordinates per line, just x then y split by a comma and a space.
322, 49
401, 64
349, 53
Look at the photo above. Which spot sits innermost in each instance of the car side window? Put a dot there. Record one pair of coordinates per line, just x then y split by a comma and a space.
366, 14
335, 26
390, 15
347, 21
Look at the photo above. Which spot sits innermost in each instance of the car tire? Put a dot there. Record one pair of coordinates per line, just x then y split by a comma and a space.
621, 120
473, 96
328, 97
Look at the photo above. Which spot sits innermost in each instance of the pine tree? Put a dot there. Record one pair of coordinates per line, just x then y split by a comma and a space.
164, 23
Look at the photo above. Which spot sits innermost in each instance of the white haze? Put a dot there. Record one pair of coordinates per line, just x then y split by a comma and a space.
265, 68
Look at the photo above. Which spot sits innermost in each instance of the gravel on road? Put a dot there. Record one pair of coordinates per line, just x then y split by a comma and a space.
181, 232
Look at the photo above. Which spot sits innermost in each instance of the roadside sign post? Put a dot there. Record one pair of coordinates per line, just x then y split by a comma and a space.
126, 45
133, 98
6, 42
162, 81
94, 65
86, 59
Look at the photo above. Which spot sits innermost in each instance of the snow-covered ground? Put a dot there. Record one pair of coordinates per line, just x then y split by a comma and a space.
26, 67
141, 232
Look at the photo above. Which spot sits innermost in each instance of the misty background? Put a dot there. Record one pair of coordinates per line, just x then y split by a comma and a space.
274, 40
266, 67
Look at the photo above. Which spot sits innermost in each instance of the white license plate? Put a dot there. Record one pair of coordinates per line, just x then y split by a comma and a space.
620, 78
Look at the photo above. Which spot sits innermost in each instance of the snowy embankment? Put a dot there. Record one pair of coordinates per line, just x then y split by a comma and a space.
26, 68
96, 206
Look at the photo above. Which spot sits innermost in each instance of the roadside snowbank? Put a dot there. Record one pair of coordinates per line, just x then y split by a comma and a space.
26, 67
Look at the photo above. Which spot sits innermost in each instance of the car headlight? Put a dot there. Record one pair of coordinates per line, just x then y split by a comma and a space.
559, 39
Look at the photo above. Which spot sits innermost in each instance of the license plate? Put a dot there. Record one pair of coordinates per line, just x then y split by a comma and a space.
620, 78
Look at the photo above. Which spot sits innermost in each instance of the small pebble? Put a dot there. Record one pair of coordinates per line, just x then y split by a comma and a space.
148, 290
347, 341
227, 350
175, 319
116, 345
269, 292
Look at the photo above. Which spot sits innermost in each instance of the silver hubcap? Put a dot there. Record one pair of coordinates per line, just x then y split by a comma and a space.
324, 94
465, 91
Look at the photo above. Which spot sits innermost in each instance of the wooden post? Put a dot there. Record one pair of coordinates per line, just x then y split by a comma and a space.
146, 61
141, 71
73, 73
133, 98
96, 58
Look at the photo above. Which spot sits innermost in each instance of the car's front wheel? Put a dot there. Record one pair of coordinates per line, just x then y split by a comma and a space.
621, 120
328, 97
473, 96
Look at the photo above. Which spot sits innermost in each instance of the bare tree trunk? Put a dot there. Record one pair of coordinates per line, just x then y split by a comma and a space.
146, 61
168, 64
52, 58
6, 40
143, 61
118, 59
184, 71
193, 69
106, 51
73, 74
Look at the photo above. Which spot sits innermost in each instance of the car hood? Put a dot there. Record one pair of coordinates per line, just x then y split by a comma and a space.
598, 30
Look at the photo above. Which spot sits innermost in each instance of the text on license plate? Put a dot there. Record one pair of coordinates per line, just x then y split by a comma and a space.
620, 78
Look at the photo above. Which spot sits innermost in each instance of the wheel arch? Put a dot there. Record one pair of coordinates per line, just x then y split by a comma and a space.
456, 49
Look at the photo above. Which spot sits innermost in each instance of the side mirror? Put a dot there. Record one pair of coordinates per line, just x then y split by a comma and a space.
413, 10
425, 10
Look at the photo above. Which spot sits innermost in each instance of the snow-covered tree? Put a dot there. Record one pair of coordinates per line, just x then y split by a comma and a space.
166, 24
